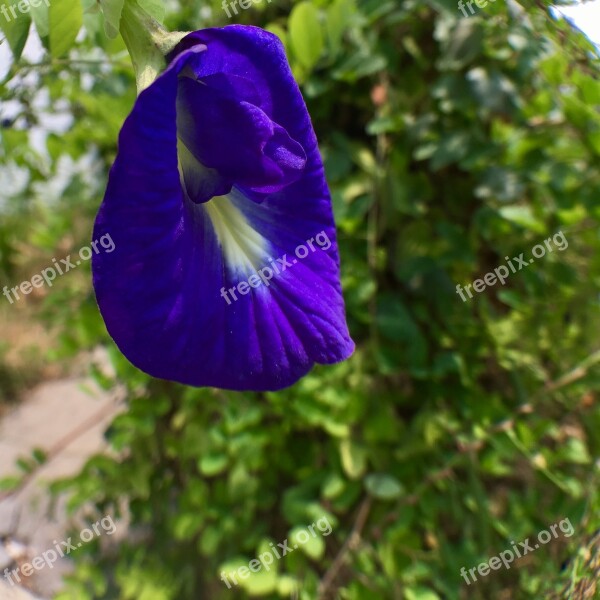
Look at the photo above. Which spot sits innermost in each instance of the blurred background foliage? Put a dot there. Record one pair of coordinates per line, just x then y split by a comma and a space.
457, 427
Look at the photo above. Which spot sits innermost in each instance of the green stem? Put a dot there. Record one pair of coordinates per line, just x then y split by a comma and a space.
147, 41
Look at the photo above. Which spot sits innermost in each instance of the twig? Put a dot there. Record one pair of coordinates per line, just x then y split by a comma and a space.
350, 544
54, 63
577, 373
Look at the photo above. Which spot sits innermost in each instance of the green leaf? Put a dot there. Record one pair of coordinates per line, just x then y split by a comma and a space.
398, 325
39, 456
261, 583
39, 14
314, 547
523, 216
451, 148
287, 587
575, 451
10, 483
15, 26
333, 486
462, 44
354, 459
420, 593
112, 10
338, 15
210, 540
257, 580
384, 487
187, 525
93, 19
26, 465
306, 37
360, 64
155, 8
66, 19
213, 464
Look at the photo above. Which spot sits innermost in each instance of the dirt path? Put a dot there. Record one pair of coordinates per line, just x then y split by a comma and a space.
66, 419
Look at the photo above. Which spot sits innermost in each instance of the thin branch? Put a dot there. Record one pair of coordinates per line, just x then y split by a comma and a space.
577, 373
350, 544
63, 62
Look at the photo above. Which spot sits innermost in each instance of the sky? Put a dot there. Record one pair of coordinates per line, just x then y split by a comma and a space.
586, 16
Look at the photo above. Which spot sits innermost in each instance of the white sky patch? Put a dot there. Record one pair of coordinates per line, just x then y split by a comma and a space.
586, 17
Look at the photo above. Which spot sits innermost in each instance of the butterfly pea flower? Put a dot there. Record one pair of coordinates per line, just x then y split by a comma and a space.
218, 177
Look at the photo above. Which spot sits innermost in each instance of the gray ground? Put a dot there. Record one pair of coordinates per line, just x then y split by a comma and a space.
67, 420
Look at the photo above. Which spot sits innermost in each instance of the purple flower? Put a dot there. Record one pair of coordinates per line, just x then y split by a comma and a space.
217, 185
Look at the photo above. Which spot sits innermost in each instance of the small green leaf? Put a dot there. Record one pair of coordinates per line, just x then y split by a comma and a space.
66, 19
213, 464
187, 525
261, 583
210, 540
333, 486
39, 14
523, 216
420, 593
112, 10
15, 26
313, 547
287, 587
575, 451
354, 459
39, 456
306, 37
462, 45
10, 483
384, 487
337, 19
26, 465
155, 8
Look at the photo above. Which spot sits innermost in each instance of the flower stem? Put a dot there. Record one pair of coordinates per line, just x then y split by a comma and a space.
147, 41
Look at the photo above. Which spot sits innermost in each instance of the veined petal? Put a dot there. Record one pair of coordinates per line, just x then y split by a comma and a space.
167, 290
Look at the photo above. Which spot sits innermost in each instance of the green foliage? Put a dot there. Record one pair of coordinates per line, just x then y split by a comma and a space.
155, 8
15, 28
457, 427
306, 38
112, 10
65, 21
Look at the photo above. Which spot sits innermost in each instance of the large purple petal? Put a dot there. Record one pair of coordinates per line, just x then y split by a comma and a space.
164, 292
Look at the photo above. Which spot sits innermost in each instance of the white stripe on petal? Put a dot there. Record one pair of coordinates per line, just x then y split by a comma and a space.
244, 249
